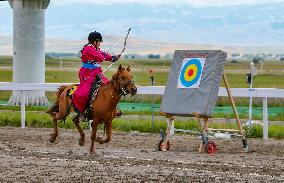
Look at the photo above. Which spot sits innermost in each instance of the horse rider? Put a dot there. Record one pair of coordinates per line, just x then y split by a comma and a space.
92, 57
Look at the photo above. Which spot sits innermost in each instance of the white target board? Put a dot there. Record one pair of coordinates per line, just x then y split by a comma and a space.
191, 72
193, 82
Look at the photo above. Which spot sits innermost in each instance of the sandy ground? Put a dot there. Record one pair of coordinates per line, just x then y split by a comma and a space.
26, 155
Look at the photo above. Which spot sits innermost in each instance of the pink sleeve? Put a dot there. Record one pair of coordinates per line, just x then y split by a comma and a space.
98, 57
107, 56
91, 53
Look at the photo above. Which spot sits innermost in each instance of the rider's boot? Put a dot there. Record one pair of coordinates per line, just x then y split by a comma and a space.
118, 113
83, 116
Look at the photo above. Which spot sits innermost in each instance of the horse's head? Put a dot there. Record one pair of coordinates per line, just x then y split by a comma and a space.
124, 81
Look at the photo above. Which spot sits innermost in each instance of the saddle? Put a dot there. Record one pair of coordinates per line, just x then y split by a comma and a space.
87, 114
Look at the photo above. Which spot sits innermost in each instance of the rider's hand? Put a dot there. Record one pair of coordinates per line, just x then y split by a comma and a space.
115, 57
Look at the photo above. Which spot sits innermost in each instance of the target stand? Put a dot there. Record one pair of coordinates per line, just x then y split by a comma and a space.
192, 91
207, 146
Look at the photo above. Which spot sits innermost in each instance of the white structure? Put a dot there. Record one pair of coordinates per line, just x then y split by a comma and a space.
29, 48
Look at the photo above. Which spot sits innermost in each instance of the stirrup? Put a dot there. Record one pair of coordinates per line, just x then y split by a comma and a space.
80, 116
83, 117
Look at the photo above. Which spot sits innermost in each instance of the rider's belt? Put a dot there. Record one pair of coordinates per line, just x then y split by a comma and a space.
91, 65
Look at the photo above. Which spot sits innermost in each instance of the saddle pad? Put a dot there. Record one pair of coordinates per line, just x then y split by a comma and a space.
72, 90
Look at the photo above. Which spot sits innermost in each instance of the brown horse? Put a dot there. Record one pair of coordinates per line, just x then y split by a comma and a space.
103, 107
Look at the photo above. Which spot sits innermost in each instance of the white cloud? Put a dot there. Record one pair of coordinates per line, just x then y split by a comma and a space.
212, 17
193, 3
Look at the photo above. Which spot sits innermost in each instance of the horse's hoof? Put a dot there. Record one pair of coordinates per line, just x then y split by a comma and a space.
93, 153
81, 142
99, 140
51, 140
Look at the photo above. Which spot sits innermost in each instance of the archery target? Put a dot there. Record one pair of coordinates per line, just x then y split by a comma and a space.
191, 72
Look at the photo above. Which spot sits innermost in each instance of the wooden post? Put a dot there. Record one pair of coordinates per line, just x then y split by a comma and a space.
265, 119
233, 104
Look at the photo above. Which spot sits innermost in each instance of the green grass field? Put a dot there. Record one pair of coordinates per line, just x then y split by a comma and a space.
40, 120
141, 68
269, 76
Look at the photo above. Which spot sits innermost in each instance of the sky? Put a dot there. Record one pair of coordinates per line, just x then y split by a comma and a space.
217, 22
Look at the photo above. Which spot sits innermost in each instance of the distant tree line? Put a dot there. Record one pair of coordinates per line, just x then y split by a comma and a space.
256, 60
57, 55
155, 56
150, 56
129, 56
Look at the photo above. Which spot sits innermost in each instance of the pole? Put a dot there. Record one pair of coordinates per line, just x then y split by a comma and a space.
251, 90
152, 83
244, 140
233, 104
29, 47
60, 63
265, 119
23, 109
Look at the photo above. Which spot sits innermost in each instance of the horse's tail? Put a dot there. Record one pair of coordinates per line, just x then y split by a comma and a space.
55, 106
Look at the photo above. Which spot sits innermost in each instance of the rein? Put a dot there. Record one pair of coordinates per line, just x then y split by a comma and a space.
121, 87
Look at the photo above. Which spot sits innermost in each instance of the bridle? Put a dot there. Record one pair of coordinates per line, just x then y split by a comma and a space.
122, 86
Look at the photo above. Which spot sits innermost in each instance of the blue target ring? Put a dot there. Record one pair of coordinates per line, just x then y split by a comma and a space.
199, 69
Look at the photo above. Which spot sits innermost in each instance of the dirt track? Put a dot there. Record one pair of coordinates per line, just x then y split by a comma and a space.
27, 156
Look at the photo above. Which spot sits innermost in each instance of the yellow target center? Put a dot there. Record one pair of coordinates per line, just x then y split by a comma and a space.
190, 72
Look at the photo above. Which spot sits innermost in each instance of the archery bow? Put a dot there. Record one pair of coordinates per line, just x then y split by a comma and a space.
123, 49
125, 39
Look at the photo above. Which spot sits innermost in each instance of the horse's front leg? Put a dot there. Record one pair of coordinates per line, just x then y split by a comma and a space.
76, 121
109, 133
55, 132
93, 136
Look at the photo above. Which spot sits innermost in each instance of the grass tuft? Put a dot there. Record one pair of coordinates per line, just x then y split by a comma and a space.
43, 120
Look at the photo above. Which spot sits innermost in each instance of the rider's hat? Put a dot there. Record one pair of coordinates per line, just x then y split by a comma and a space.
95, 36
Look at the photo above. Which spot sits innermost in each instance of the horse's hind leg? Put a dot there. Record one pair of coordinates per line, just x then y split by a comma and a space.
76, 120
64, 103
57, 116
55, 133
64, 106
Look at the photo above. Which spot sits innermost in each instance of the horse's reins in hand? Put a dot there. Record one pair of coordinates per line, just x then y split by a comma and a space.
123, 49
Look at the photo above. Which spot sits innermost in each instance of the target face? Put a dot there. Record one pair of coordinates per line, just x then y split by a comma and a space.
191, 72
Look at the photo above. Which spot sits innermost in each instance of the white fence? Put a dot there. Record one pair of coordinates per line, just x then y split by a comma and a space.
263, 93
